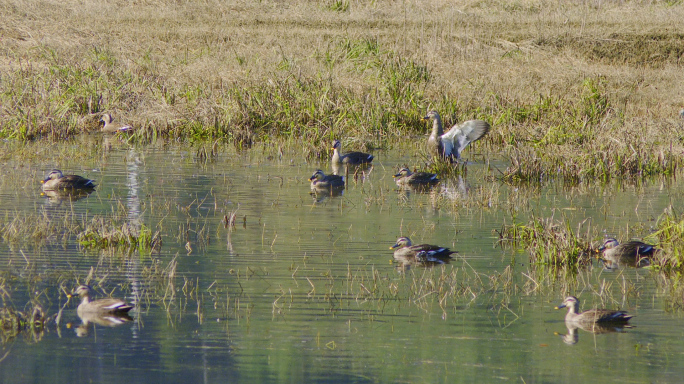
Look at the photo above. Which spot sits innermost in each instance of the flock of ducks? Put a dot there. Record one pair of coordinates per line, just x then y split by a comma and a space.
445, 146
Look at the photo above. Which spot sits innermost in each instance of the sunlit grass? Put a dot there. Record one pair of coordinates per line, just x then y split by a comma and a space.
588, 111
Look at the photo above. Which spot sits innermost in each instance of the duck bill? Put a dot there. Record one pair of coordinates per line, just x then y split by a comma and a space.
426, 118
394, 246
311, 178
601, 248
561, 306
397, 175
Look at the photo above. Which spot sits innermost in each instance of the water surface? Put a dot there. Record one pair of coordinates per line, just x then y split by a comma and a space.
305, 289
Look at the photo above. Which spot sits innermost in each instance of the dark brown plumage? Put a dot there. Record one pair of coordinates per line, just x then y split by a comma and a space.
633, 253
407, 178
352, 158
56, 180
321, 181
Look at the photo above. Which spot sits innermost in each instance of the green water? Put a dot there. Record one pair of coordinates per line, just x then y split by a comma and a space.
305, 289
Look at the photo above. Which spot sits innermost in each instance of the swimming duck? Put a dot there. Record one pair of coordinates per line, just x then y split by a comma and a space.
111, 127
451, 144
592, 315
320, 180
407, 178
101, 306
634, 252
56, 180
353, 158
422, 252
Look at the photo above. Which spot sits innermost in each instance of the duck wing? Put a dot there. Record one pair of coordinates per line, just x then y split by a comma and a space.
459, 136
77, 181
112, 305
606, 316
335, 180
638, 248
422, 177
357, 158
429, 251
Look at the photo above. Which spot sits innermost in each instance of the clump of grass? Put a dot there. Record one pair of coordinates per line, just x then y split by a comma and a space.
102, 233
339, 6
669, 236
549, 242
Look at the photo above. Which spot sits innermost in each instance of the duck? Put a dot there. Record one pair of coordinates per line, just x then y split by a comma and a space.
320, 180
425, 253
407, 178
56, 180
634, 252
350, 158
108, 305
450, 145
111, 127
591, 316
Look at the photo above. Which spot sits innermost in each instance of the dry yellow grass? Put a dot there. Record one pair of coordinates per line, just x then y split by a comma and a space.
544, 73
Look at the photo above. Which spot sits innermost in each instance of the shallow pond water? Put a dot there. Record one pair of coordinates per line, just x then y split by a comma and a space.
305, 289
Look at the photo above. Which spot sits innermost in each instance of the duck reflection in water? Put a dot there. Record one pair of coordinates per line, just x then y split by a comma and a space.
60, 196
109, 320
594, 321
426, 255
572, 337
108, 312
635, 254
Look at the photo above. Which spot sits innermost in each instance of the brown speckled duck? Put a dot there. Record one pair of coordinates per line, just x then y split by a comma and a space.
634, 249
351, 158
407, 178
451, 144
321, 181
101, 306
592, 315
56, 181
111, 127
634, 253
405, 250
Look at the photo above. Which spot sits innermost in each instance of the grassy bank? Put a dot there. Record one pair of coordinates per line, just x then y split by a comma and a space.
595, 83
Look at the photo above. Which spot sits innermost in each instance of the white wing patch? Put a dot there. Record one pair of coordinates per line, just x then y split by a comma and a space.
459, 136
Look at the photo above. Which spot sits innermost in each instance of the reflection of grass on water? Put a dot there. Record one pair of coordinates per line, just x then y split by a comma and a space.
94, 232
